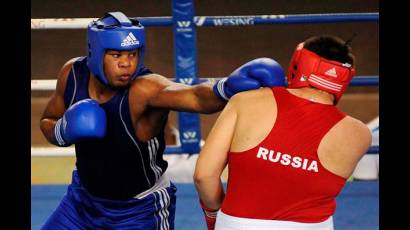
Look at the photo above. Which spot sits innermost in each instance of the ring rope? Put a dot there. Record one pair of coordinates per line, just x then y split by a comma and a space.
357, 81
70, 151
247, 20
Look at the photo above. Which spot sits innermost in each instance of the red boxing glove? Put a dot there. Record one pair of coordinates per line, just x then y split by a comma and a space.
210, 216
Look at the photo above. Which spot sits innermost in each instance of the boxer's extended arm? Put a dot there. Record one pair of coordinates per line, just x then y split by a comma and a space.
260, 72
167, 94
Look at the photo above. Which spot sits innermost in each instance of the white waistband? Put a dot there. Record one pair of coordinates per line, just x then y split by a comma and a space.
162, 182
227, 222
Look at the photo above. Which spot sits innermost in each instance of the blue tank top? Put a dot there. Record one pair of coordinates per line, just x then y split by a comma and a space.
118, 166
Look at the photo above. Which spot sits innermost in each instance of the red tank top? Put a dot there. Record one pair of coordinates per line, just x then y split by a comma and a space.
282, 178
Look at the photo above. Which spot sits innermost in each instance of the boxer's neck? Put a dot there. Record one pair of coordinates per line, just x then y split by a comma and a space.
98, 91
313, 94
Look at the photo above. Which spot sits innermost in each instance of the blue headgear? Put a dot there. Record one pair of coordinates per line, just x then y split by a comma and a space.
117, 32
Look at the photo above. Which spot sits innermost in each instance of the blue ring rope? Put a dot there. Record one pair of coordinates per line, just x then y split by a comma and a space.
251, 20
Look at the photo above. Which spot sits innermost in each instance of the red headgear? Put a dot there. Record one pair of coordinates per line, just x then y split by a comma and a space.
309, 69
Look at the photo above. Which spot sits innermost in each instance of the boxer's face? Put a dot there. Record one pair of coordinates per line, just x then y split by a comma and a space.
119, 66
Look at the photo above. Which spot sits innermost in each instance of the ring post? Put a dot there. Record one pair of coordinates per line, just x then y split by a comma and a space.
186, 69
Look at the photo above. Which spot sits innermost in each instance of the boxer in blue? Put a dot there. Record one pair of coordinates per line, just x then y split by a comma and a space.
114, 110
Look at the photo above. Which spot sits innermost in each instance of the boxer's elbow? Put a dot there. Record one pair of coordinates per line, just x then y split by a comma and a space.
199, 176
203, 177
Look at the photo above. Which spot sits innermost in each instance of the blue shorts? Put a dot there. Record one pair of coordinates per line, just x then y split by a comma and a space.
80, 210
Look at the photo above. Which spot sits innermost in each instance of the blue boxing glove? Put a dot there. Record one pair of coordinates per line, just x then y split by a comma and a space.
84, 119
260, 72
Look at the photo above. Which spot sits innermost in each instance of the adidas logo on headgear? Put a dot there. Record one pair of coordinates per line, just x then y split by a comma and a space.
130, 40
331, 72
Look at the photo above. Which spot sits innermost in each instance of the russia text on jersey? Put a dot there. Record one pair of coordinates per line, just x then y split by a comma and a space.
287, 160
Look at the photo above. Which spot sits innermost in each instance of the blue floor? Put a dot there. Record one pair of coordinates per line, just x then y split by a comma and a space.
357, 206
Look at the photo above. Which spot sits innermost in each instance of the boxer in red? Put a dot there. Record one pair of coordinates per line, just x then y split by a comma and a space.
289, 150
